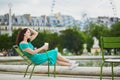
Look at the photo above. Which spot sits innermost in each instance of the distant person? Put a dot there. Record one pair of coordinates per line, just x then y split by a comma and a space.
38, 55
5, 53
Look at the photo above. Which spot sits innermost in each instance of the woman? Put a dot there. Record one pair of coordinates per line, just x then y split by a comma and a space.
38, 55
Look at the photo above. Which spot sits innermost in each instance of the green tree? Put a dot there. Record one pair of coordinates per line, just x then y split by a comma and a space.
39, 40
88, 40
72, 40
97, 30
14, 35
5, 42
51, 38
115, 29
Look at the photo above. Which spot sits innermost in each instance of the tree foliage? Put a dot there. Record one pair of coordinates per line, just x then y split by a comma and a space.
96, 30
72, 40
5, 42
14, 35
51, 38
115, 29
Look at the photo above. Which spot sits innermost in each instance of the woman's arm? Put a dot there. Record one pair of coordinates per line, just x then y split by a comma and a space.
34, 34
41, 49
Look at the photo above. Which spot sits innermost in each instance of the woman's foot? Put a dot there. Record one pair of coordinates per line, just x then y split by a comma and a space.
74, 66
72, 62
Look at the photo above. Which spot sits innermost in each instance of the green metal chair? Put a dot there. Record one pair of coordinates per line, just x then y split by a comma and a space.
29, 62
109, 43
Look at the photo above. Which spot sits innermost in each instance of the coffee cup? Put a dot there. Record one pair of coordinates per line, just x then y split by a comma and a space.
46, 43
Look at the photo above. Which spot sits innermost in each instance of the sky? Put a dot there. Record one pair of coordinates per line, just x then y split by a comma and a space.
75, 8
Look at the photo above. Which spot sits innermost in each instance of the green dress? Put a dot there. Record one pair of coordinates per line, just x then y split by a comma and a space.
39, 58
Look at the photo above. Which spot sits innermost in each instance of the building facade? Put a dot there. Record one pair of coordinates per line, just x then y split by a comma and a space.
51, 22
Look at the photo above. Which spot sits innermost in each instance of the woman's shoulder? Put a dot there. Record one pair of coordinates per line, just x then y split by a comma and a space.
23, 42
23, 45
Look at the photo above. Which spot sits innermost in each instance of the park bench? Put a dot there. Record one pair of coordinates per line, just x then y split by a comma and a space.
109, 43
29, 62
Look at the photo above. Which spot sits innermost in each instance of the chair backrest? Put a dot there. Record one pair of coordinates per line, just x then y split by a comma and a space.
20, 52
110, 43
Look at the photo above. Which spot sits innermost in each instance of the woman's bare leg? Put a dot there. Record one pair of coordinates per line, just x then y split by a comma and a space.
61, 58
63, 63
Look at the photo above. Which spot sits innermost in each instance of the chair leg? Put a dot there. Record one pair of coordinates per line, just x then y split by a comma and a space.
55, 70
101, 70
48, 68
26, 70
32, 72
112, 65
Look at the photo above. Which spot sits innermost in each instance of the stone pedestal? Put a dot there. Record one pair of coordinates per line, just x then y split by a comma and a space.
95, 50
85, 51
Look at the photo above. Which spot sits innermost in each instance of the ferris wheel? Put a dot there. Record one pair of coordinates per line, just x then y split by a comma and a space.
113, 8
52, 6
84, 16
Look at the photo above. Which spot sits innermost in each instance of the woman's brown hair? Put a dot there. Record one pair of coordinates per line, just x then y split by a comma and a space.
20, 35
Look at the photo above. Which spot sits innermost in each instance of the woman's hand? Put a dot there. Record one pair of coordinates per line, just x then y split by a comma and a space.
45, 46
34, 34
